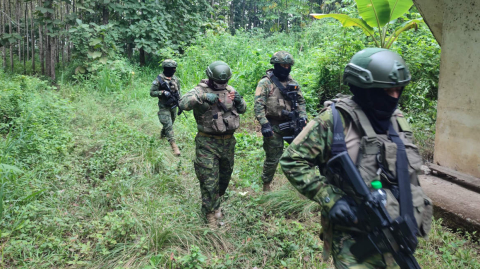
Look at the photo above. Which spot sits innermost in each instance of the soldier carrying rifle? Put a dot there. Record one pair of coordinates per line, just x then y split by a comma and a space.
280, 109
167, 88
372, 205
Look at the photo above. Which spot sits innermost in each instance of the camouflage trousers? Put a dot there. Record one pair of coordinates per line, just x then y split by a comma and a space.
213, 167
167, 117
343, 258
273, 147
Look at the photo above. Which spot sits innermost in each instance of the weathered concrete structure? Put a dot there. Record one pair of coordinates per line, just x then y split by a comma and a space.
456, 26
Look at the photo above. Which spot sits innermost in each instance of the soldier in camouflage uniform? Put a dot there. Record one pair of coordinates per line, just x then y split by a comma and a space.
166, 100
269, 104
376, 78
216, 108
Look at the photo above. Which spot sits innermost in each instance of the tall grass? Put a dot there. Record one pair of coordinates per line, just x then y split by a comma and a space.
96, 187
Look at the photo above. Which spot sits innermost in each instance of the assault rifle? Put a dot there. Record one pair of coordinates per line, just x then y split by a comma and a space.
385, 235
174, 95
295, 123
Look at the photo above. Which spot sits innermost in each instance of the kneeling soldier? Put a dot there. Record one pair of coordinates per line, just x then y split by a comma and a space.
216, 108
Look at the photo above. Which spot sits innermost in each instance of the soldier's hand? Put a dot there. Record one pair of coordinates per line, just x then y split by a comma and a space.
343, 212
237, 98
267, 130
231, 95
210, 98
166, 94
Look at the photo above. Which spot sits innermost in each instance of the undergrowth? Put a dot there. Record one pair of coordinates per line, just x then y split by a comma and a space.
86, 182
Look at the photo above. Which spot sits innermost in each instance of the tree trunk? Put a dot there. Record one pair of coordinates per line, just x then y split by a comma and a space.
68, 36
48, 50
2, 31
18, 31
142, 57
105, 15
10, 31
41, 50
32, 36
52, 60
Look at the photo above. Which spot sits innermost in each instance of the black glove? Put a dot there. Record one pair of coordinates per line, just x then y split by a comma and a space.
343, 212
167, 94
267, 130
238, 98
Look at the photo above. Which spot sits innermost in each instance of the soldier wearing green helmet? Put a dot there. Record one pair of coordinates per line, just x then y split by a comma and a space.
216, 107
270, 104
379, 141
166, 87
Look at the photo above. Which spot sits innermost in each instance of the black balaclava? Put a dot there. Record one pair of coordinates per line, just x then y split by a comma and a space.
377, 105
217, 85
169, 71
280, 72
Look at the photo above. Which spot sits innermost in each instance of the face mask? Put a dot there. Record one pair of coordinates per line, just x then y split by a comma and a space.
377, 105
169, 71
217, 86
280, 72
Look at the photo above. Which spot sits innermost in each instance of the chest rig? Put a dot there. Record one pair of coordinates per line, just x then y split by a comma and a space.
376, 158
276, 102
221, 117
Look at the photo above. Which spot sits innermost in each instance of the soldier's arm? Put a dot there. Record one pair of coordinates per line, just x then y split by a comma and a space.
261, 96
191, 99
155, 90
302, 105
240, 106
310, 149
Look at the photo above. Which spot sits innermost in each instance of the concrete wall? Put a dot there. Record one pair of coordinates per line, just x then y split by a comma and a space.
457, 141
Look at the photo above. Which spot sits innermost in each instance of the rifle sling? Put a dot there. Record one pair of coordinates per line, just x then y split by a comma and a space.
405, 201
279, 85
403, 177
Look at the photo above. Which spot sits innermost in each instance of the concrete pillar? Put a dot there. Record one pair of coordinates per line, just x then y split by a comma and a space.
457, 140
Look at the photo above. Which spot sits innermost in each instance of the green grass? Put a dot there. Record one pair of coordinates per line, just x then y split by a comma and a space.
86, 182
99, 189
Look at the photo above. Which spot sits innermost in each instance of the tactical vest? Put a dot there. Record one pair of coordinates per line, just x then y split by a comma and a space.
173, 83
276, 103
215, 120
370, 150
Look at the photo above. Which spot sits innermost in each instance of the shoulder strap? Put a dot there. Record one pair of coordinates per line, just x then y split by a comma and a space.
279, 85
338, 144
361, 122
403, 177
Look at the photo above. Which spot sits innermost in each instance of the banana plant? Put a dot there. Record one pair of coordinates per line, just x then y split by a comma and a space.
376, 17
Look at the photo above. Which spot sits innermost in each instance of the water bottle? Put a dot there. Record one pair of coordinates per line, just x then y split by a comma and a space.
379, 193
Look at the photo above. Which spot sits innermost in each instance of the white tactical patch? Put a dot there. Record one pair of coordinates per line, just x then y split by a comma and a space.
155, 82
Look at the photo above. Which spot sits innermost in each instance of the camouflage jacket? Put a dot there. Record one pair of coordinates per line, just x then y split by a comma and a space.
311, 149
194, 100
264, 89
157, 91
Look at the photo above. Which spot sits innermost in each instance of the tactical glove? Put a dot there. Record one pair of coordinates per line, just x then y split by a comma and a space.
343, 212
167, 94
267, 130
238, 98
210, 98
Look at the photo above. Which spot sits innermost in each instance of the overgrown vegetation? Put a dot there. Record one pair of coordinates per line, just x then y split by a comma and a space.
87, 182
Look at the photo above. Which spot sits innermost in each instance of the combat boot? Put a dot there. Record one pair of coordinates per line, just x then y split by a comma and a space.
266, 187
218, 214
211, 220
175, 149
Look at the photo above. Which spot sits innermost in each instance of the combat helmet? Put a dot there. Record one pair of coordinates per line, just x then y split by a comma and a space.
219, 72
169, 63
376, 68
282, 57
